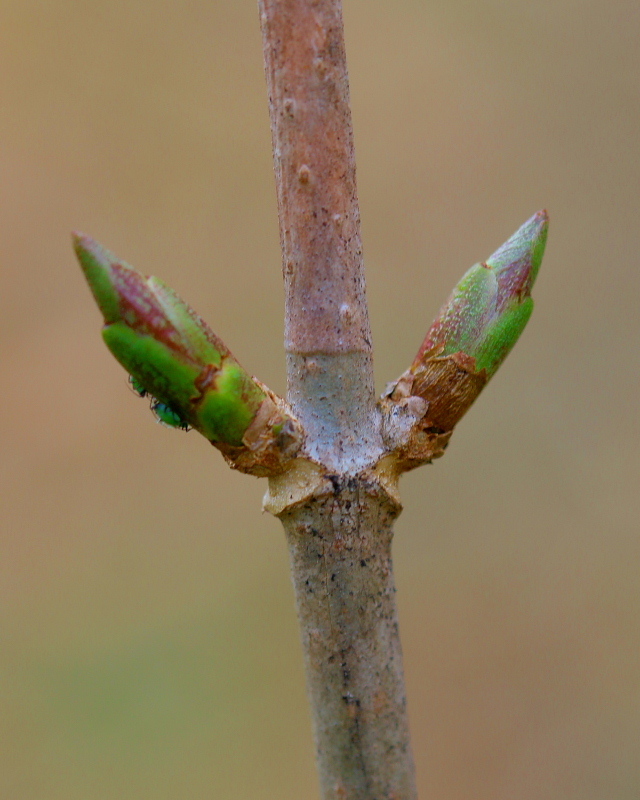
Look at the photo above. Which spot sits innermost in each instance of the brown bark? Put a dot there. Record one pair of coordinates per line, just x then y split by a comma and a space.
315, 171
327, 333
336, 509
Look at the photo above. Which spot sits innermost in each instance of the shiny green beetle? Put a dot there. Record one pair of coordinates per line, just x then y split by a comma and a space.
167, 416
137, 387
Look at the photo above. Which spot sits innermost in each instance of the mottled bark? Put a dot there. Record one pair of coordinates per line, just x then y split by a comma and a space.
327, 333
333, 503
315, 171
340, 548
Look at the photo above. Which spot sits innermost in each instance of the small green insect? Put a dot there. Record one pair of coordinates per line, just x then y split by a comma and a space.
162, 412
137, 387
167, 416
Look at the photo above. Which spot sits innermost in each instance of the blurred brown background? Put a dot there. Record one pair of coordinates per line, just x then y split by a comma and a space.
149, 646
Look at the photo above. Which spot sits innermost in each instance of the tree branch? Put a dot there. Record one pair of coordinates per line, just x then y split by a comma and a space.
333, 465
336, 514
327, 333
340, 548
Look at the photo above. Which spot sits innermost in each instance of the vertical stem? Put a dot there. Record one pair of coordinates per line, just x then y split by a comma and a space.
339, 531
315, 176
345, 598
327, 333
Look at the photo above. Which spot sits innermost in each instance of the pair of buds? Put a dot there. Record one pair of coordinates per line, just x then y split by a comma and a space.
172, 355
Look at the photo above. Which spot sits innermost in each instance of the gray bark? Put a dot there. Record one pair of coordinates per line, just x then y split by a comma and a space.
340, 548
337, 502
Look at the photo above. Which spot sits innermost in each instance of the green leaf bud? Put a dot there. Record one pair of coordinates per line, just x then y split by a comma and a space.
491, 305
171, 354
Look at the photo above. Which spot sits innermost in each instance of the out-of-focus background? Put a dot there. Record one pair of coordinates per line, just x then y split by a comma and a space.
149, 646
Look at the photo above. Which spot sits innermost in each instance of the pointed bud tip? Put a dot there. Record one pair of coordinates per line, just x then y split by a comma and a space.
77, 237
96, 263
486, 293
534, 231
90, 251
534, 225
526, 242
516, 263
85, 244
540, 222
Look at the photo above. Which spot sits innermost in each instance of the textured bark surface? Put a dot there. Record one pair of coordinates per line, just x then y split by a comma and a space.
327, 333
315, 171
340, 548
334, 507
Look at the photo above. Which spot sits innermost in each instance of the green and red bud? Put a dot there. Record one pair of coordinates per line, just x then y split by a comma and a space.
491, 305
471, 336
173, 355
